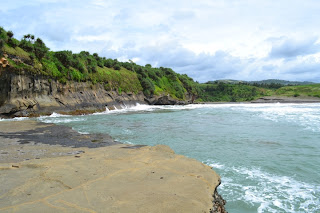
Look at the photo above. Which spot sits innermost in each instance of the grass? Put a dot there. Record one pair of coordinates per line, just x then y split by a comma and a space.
312, 90
17, 51
124, 79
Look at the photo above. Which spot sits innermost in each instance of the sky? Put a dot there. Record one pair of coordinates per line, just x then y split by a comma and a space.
205, 39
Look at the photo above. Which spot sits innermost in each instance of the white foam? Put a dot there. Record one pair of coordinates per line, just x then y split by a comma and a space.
59, 118
214, 165
57, 115
83, 133
273, 193
149, 108
305, 115
15, 119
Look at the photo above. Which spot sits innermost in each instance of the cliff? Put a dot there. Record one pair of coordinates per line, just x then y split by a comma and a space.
27, 95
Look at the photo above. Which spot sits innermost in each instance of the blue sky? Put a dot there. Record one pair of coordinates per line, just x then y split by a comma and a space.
206, 39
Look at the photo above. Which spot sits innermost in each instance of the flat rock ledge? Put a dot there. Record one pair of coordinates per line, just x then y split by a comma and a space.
117, 178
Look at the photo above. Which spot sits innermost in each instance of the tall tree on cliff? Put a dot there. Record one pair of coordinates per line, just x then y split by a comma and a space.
40, 48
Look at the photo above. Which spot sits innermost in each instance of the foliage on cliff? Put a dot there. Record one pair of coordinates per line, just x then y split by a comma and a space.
230, 92
30, 54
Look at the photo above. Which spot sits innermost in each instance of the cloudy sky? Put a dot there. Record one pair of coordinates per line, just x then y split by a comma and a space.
206, 39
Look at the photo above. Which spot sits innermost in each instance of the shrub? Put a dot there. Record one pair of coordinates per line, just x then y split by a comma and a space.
40, 49
148, 86
10, 34
26, 45
117, 67
13, 42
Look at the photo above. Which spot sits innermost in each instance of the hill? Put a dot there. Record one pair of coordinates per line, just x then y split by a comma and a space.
263, 82
31, 55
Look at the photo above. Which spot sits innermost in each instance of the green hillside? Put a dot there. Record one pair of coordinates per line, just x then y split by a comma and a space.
31, 55
312, 90
230, 92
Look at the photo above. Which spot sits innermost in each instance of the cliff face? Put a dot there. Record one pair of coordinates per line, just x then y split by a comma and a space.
23, 95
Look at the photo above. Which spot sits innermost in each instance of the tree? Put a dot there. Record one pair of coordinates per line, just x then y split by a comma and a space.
148, 87
26, 44
40, 48
12, 41
108, 62
117, 67
65, 57
10, 34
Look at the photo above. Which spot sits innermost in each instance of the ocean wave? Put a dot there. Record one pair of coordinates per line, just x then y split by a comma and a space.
59, 118
305, 115
272, 193
149, 108
15, 119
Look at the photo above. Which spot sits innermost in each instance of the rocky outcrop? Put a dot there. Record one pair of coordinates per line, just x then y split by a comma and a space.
117, 178
24, 95
165, 100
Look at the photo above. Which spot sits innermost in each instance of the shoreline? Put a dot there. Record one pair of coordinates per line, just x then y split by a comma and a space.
262, 100
44, 164
273, 99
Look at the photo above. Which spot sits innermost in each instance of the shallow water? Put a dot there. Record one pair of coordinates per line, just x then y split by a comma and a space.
268, 155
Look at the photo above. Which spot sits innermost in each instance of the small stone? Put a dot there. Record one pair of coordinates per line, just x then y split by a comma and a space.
161, 178
77, 156
15, 166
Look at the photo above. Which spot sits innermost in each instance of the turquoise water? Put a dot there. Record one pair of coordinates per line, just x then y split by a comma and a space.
268, 155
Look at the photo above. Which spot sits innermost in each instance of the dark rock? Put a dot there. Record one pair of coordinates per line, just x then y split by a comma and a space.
218, 203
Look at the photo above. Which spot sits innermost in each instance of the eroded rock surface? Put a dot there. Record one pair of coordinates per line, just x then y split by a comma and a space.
109, 179
117, 178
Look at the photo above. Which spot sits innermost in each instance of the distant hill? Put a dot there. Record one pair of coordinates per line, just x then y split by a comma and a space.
268, 81
282, 82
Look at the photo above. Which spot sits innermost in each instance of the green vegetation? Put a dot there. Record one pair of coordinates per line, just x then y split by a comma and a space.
312, 90
230, 92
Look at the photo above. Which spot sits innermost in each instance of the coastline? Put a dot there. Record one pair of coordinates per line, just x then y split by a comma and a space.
54, 168
273, 99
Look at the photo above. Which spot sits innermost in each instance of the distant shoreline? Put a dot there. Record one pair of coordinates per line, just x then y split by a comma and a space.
273, 99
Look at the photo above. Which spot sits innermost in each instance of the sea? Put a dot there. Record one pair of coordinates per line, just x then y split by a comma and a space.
268, 155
